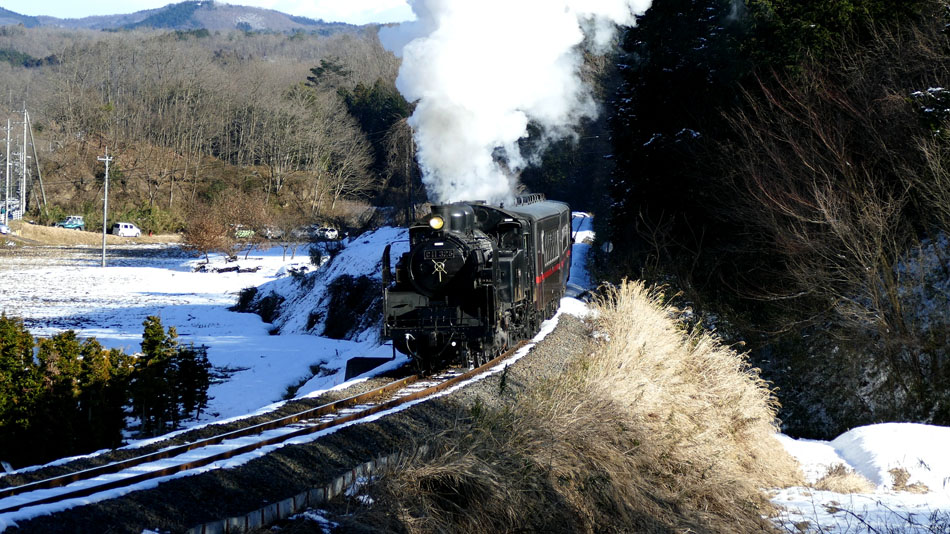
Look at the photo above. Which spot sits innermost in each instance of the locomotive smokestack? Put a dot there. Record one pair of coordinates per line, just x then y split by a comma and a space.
481, 71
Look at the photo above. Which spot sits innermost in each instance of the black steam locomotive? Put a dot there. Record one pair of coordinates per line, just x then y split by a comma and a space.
476, 280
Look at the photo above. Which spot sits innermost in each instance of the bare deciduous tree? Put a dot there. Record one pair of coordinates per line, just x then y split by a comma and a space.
830, 178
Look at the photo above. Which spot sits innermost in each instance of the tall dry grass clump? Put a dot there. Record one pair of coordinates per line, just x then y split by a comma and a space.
651, 430
710, 415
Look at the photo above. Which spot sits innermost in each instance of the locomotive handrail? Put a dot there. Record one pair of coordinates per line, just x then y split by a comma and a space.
522, 200
387, 269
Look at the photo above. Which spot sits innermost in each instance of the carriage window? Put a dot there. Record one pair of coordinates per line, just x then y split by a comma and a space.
549, 249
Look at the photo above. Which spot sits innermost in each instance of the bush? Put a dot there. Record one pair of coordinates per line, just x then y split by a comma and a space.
206, 233
353, 306
841, 479
316, 255
245, 300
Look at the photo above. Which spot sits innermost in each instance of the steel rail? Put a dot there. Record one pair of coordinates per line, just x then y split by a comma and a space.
170, 452
255, 429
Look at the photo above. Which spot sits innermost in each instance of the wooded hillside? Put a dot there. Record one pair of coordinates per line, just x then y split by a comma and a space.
194, 119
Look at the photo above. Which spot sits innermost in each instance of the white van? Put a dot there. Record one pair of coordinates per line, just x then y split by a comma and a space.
125, 229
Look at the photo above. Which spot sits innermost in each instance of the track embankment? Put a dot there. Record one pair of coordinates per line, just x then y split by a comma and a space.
182, 503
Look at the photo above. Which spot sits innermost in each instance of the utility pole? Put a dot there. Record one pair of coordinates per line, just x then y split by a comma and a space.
6, 192
105, 207
36, 160
23, 168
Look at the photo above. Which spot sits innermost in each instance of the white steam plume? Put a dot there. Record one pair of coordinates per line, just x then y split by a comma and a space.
480, 70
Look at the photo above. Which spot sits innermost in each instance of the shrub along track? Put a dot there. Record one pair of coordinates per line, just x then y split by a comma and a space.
180, 503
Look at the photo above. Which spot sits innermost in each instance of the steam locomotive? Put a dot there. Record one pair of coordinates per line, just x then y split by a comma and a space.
476, 279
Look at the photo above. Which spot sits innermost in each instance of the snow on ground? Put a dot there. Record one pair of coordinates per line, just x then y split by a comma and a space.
362, 256
872, 451
72, 291
582, 226
235, 340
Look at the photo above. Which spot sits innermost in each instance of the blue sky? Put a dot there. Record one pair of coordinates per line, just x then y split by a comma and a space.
352, 11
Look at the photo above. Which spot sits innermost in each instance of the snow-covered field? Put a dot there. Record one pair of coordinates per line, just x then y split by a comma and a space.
65, 288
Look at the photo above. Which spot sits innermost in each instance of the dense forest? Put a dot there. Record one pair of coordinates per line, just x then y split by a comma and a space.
782, 165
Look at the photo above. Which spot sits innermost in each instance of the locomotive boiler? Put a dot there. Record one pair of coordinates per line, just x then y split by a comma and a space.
477, 279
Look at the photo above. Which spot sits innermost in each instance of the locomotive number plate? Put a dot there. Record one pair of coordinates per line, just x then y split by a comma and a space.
438, 254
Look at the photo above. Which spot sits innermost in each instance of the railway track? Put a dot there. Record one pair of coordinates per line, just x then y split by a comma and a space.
204, 452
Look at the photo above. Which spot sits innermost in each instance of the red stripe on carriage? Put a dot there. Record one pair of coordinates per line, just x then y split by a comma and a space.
552, 270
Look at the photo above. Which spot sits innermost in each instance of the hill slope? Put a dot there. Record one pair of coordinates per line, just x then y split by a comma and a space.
189, 15
9, 18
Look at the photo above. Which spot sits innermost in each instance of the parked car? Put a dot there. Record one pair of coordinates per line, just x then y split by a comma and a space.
74, 222
4, 229
273, 232
325, 232
125, 229
301, 232
243, 232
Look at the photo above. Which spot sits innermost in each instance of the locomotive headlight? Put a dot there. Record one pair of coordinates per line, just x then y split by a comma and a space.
436, 222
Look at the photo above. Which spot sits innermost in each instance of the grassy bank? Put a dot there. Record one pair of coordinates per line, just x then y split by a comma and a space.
49, 235
650, 430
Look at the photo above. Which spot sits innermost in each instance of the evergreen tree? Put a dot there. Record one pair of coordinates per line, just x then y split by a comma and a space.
194, 378
57, 426
104, 393
72, 397
784, 33
81, 407
169, 382
330, 73
680, 68
152, 384
376, 108
20, 386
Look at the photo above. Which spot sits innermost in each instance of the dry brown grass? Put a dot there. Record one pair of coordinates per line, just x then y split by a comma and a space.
900, 477
654, 431
841, 479
709, 415
49, 235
